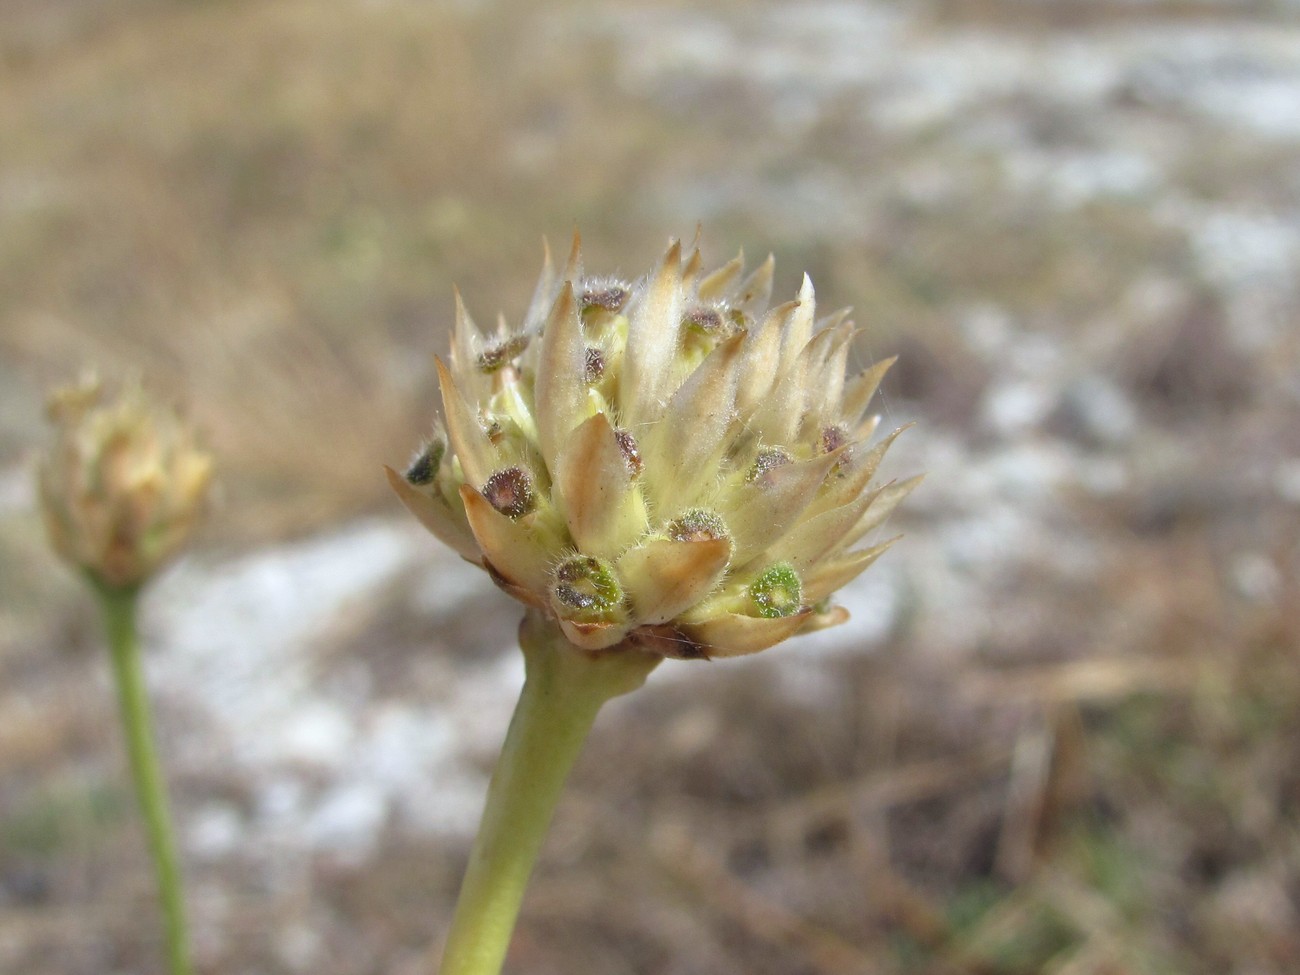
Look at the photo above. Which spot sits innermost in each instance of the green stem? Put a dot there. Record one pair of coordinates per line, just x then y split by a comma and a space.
564, 687
119, 607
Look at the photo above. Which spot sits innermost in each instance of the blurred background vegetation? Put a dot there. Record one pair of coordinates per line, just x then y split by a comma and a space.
1062, 734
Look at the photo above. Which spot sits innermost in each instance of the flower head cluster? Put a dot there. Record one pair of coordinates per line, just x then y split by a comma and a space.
664, 461
122, 485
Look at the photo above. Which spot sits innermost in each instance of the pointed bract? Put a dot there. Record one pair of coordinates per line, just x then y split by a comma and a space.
561, 384
850, 479
756, 290
652, 342
815, 536
683, 448
434, 515
666, 578
508, 545
573, 266
466, 339
762, 357
478, 457
595, 490
733, 635
800, 330
859, 390
718, 285
543, 294
882, 506
764, 510
830, 576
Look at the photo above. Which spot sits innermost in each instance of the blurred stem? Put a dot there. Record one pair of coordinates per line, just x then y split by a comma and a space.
119, 608
564, 688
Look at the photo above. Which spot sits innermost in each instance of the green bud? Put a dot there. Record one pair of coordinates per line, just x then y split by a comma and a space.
777, 592
585, 590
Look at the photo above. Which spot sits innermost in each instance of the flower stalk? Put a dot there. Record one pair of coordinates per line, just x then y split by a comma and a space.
118, 606
664, 467
564, 688
121, 489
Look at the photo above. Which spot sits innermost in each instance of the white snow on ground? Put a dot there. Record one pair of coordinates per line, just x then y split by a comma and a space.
807, 54
331, 765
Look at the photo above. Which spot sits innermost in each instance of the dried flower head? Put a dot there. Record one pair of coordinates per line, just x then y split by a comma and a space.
667, 462
123, 483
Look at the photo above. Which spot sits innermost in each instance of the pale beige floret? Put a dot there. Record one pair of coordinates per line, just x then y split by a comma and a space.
708, 409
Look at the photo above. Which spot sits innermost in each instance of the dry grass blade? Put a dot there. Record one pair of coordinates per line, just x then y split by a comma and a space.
1091, 680
880, 790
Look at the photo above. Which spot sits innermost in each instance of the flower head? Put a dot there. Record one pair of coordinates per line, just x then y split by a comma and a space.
123, 483
667, 461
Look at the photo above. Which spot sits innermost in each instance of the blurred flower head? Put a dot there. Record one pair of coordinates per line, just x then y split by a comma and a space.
665, 461
122, 484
